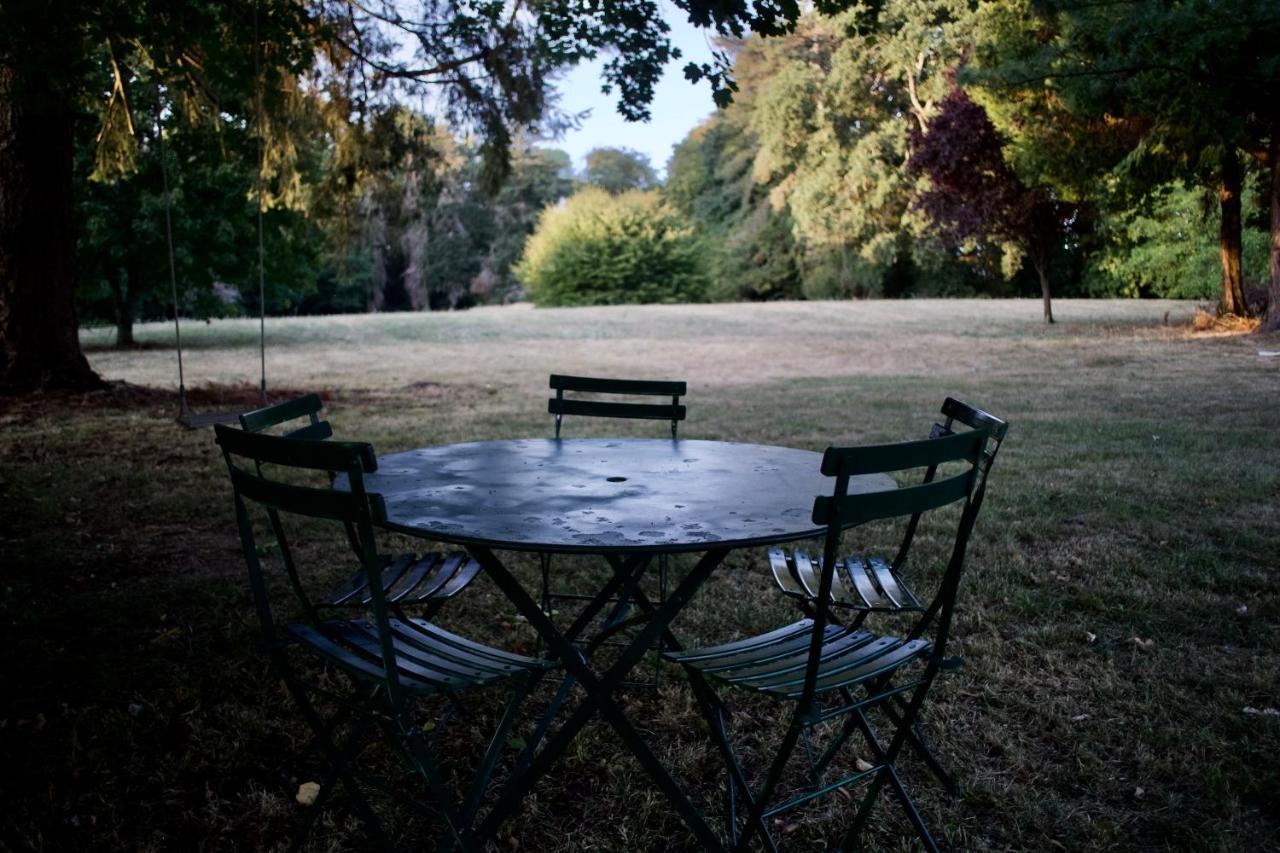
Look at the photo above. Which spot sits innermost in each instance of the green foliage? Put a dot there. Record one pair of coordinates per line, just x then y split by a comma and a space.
751, 252
617, 170
814, 144
122, 245
1167, 246
602, 249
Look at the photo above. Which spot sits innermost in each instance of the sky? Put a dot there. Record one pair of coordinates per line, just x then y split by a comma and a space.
678, 105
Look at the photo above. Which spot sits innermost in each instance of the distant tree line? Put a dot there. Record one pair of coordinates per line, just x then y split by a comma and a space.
880, 148
1003, 148
952, 150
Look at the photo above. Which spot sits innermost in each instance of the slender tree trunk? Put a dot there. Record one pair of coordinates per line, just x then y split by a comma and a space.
1040, 260
124, 308
39, 331
377, 235
1272, 321
1229, 235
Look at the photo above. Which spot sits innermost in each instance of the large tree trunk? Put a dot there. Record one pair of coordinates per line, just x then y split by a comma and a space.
1229, 235
39, 331
1272, 321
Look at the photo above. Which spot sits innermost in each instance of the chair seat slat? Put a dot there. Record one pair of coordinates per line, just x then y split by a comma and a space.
782, 573
356, 589
408, 584
440, 635
364, 636
856, 567
873, 667
889, 583
479, 666
840, 592
805, 574
770, 671
461, 570
710, 652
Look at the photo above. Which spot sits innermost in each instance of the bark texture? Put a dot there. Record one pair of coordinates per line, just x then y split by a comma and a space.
39, 330
1229, 236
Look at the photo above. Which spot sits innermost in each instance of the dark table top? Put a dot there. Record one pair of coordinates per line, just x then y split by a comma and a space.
606, 495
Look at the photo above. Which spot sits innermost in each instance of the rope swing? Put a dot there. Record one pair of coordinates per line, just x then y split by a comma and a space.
186, 417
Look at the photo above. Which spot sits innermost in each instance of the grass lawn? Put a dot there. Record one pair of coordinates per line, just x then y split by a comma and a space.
1120, 625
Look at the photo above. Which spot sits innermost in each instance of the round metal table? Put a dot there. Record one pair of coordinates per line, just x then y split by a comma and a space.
606, 495
625, 500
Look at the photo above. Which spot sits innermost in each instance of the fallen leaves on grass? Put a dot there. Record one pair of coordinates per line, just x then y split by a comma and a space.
1206, 322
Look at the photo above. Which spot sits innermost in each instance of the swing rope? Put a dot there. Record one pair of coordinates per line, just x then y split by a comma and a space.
185, 416
173, 267
262, 287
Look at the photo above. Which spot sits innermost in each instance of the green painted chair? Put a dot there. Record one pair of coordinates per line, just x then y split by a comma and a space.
561, 405
847, 675
868, 583
391, 663
424, 581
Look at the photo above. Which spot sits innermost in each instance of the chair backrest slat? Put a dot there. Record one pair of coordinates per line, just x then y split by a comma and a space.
908, 500
318, 431
297, 452
880, 458
975, 418
637, 387
601, 409
306, 406
308, 501
560, 406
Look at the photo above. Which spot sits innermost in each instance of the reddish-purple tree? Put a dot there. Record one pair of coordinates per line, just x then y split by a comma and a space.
973, 194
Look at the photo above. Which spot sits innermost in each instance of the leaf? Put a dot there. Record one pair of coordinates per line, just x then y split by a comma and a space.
307, 794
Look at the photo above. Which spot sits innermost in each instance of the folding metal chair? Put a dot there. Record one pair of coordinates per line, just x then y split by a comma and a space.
879, 585
392, 663
560, 406
833, 673
424, 581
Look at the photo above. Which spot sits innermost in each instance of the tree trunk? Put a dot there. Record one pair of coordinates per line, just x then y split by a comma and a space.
1040, 260
1229, 235
124, 308
39, 331
1272, 321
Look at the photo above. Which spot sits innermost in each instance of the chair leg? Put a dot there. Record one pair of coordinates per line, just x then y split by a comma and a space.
714, 711
887, 771
755, 818
918, 745
895, 781
499, 740
427, 769
340, 765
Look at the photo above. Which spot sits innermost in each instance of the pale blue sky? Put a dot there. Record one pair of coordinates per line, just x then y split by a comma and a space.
678, 105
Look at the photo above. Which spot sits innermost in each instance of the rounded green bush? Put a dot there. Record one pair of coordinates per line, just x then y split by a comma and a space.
602, 249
